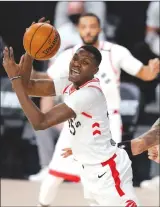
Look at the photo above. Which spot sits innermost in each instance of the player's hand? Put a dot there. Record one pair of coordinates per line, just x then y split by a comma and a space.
41, 20
12, 69
153, 154
66, 152
28, 60
154, 65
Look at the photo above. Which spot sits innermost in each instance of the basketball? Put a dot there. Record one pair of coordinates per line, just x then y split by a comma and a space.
41, 41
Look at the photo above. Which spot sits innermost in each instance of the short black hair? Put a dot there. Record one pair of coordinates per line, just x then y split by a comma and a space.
94, 51
91, 15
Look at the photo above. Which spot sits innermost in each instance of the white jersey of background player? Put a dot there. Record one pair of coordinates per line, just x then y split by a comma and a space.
114, 57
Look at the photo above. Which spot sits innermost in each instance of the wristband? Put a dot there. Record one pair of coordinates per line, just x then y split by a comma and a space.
15, 77
126, 145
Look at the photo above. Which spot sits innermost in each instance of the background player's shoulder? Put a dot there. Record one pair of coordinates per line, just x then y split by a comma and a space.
106, 46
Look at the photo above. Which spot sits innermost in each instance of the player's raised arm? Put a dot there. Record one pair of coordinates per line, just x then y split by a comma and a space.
38, 119
134, 67
28, 60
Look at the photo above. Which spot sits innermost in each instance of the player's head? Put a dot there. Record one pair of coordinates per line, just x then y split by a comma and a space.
89, 28
84, 64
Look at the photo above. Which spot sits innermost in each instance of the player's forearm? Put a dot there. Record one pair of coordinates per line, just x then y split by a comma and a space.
34, 115
39, 75
145, 141
40, 88
27, 68
144, 74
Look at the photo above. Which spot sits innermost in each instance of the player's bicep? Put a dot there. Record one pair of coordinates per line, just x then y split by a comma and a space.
58, 114
41, 88
129, 63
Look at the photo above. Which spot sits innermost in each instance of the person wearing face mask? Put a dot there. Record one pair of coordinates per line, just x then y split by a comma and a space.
67, 17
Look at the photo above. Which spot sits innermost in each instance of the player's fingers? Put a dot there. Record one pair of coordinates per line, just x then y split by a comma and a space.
66, 149
6, 55
48, 21
64, 155
21, 61
11, 53
41, 19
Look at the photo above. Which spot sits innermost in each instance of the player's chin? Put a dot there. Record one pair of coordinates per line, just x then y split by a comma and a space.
74, 78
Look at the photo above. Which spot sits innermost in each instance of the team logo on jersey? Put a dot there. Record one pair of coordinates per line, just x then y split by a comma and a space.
99, 176
130, 203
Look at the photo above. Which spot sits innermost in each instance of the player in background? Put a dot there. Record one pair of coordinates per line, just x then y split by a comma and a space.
105, 170
114, 57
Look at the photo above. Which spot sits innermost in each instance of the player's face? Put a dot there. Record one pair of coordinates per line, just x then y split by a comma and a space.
82, 67
89, 29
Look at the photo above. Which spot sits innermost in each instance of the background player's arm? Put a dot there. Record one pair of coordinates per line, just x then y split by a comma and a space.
147, 140
143, 142
150, 71
134, 67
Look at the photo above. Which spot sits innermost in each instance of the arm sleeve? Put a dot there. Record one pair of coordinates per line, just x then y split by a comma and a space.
153, 15
126, 61
82, 100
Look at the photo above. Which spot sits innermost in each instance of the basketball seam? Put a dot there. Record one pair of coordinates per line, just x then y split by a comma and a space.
44, 42
49, 53
33, 36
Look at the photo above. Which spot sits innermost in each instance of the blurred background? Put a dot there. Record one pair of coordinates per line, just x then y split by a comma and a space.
124, 23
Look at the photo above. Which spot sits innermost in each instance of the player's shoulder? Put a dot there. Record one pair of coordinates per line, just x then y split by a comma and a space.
108, 46
92, 86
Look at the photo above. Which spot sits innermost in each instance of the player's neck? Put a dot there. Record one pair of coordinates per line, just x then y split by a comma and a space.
79, 84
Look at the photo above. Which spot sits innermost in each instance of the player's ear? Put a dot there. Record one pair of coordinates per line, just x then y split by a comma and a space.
96, 70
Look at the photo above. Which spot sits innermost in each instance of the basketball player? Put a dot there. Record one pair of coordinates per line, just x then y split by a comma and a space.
114, 57
105, 170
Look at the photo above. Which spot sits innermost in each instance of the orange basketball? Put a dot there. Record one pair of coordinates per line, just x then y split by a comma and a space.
41, 41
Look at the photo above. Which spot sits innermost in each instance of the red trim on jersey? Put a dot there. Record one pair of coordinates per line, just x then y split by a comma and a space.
122, 128
66, 88
102, 45
96, 132
115, 173
72, 89
87, 115
114, 69
90, 81
66, 176
96, 124
95, 87
116, 111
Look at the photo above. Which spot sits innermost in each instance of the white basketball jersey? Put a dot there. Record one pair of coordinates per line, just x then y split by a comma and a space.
91, 137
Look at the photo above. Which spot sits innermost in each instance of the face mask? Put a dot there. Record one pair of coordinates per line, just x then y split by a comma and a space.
74, 18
